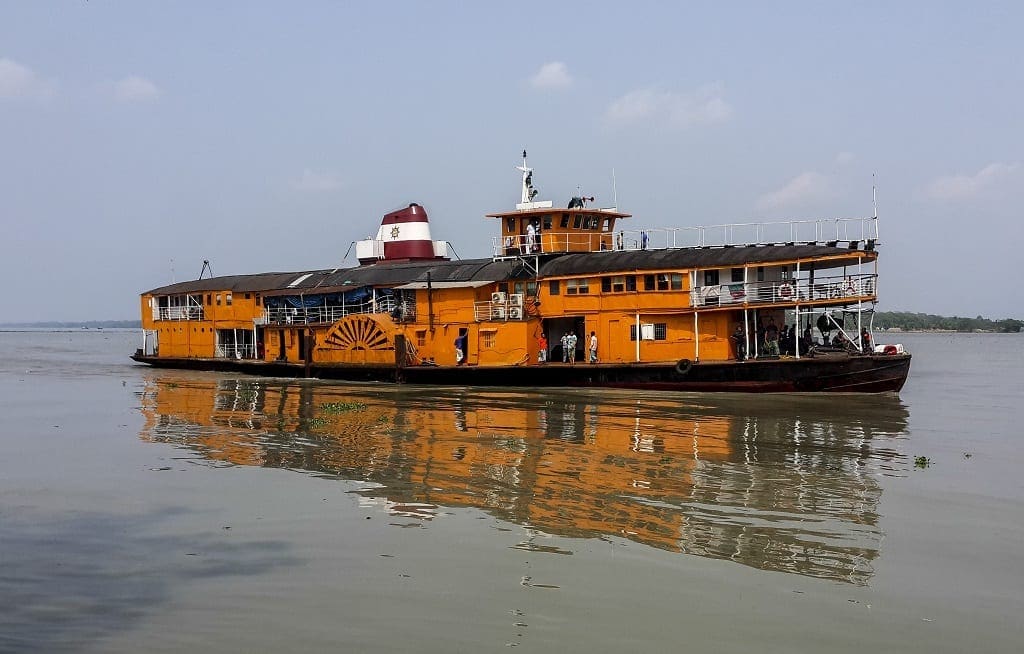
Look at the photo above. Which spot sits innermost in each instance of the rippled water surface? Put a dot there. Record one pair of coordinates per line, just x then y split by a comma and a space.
154, 510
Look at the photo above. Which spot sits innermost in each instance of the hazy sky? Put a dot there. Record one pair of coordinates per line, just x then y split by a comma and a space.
139, 138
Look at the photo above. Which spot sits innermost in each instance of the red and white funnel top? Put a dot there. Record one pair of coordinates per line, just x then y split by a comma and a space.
404, 235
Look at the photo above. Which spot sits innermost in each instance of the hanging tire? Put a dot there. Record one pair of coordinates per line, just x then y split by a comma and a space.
683, 366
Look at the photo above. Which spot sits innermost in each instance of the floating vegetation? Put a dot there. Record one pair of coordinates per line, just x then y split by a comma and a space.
315, 423
341, 407
922, 462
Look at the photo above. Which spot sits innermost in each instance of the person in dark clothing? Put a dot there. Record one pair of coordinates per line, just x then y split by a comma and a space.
739, 339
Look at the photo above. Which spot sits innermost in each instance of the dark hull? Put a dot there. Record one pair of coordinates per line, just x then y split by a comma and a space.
833, 373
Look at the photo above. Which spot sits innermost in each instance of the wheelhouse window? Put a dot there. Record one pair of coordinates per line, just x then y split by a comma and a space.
737, 275
711, 278
553, 287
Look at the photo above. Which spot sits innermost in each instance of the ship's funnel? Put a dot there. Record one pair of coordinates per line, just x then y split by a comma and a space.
404, 235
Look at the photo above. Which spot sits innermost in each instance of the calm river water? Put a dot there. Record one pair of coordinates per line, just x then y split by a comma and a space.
169, 511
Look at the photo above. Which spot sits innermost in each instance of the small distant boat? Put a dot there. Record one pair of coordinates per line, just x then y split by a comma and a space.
568, 298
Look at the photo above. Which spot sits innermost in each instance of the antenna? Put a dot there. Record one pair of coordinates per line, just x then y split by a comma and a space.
874, 205
615, 192
206, 266
874, 200
172, 272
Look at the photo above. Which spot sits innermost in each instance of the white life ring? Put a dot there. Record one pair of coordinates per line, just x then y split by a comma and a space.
786, 291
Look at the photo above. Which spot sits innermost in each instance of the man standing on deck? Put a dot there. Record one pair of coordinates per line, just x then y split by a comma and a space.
565, 347
593, 347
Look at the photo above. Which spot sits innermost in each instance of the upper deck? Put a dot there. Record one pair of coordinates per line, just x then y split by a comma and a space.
579, 230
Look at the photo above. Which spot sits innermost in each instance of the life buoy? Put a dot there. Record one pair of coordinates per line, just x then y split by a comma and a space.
683, 366
890, 349
786, 291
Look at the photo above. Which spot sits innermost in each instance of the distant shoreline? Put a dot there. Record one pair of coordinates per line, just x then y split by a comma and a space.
85, 324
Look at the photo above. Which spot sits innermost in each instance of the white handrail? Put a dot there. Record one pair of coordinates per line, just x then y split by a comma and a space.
824, 230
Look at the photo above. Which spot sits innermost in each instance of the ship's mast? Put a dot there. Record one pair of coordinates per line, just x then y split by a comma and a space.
528, 192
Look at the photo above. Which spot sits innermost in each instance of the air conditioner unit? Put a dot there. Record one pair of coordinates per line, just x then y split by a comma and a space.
497, 313
515, 313
516, 299
498, 298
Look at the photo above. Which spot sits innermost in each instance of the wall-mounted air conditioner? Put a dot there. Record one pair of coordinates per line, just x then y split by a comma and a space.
516, 299
515, 313
498, 297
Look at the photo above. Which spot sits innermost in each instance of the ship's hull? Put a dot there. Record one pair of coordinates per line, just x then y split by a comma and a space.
834, 373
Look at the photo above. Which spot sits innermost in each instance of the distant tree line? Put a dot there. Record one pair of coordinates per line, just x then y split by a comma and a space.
926, 321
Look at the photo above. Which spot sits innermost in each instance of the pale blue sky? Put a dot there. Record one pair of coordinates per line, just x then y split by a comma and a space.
268, 136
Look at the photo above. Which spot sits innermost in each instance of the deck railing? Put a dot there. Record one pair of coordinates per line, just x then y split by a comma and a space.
402, 311
192, 312
498, 311
821, 231
237, 351
842, 287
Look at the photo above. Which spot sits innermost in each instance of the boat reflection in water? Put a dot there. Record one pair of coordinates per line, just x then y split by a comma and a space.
786, 483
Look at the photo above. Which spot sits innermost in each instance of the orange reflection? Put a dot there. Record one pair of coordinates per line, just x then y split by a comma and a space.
784, 485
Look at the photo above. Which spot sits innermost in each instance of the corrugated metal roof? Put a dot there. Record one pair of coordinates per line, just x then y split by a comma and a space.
340, 279
390, 274
412, 286
612, 261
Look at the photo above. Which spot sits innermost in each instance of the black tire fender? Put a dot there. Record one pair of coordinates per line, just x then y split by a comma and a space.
683, 366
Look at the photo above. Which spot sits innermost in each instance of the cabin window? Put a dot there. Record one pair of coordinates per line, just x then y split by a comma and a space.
607, 224
565, 220
619, 284
503, 288
737, 275
631, 283
577, 286
760, 273
259, 300
531, 289
487, 340
547, 221
606, 284
650, 332
247, 295
208, 303
421, 337
577, 221
510, 225
218, 299
227, 299
662, 282
677, 282
648, 282
711, 278
553, 287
